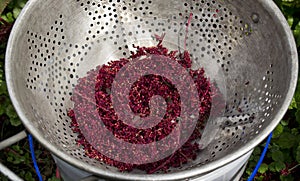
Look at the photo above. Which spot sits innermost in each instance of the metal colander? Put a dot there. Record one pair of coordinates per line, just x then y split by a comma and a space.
245, 47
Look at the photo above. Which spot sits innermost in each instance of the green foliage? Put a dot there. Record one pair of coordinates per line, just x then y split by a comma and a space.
291, 10
281, 162
12, 10
263, 168
286, 178
282, 159
293, 104
278, 156
286, 140
6, 107
278, 131
276, 166
298, 154
283, 156
17, 157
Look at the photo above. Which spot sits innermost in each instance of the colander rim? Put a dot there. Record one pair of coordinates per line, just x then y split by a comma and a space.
269, 5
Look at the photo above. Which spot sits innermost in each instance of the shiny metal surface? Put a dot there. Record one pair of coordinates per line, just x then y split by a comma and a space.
245, 47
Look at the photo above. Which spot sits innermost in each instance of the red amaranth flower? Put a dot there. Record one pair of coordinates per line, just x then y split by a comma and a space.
140, 95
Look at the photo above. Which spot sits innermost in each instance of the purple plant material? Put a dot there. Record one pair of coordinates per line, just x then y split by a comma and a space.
140, 95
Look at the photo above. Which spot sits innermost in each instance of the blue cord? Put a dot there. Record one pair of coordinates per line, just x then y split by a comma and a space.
37, 170
262, 156
249, 179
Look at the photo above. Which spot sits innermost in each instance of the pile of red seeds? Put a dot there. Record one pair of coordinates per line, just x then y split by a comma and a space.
140, 95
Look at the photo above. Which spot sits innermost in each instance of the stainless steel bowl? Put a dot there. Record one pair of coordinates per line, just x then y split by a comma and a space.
245, 47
